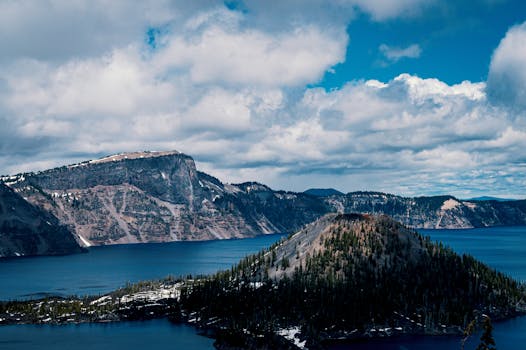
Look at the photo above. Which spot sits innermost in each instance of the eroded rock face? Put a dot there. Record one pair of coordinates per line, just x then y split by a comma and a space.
29, 230
443, 212
161, 197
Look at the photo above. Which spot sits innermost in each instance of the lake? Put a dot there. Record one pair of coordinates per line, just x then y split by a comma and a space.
106, 268
503, 248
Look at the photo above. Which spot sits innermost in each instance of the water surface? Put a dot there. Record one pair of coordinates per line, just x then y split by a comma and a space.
107, 268
156, 334
503, 248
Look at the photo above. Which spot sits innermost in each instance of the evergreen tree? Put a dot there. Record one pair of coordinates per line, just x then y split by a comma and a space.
486, 340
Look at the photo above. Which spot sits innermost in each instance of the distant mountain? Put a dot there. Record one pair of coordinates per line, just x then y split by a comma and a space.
161, 197
487, 198
440, 212
350, 276
323, 192
28, 230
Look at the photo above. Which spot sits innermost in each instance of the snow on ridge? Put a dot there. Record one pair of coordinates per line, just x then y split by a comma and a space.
11, 180
85, 241
132, 155
291, 334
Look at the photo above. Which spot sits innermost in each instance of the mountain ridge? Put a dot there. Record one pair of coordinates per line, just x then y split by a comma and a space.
161, 196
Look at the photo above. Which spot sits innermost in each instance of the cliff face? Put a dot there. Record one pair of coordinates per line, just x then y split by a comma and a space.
433, 212
28, 230
160, 197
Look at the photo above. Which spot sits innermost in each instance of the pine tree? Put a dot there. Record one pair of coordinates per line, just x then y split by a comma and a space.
486, 340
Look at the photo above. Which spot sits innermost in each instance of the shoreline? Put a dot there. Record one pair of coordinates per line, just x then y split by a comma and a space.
215, 328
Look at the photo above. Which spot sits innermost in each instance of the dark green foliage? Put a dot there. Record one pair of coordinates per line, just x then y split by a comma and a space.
367, 272
486, 340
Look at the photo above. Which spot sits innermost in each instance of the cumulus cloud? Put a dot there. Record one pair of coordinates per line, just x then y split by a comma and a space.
61, 30
409, 135
230, 87
251, 57
507, 72
394, 54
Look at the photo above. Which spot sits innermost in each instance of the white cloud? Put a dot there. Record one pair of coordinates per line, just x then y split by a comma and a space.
117, 83
61, 30
410, 135
229, 88
252, 57
394, 54
424, 89
219, 111
507, 72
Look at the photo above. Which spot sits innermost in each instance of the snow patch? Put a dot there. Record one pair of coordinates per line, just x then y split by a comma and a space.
12, 180
85, 241
292, 334
164, 292
256, 285
101, 300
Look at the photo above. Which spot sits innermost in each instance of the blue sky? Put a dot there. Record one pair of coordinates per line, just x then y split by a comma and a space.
456, 39
413, 97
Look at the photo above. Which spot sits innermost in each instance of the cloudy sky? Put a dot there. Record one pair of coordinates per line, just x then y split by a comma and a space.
413, 97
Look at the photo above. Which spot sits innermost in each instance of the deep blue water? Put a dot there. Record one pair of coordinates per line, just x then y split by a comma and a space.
503, 248
508, 335
155, 334
109, 267
105, 268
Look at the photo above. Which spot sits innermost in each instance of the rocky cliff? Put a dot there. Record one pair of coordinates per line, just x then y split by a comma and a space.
161, 196
28, 230
433, 212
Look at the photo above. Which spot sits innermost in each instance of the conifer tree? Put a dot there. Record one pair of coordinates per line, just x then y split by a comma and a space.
486, 340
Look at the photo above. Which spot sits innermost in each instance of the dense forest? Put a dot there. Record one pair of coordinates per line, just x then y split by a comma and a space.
360, 275
342, 277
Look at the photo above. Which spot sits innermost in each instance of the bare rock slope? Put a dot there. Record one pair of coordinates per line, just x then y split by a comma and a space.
28, 230
441, 212
161, 196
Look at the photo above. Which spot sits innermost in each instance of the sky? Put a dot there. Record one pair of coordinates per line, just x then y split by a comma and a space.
412, 97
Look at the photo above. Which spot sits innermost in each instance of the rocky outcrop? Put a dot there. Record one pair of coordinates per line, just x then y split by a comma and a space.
443, 212
161, 197
28, 230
